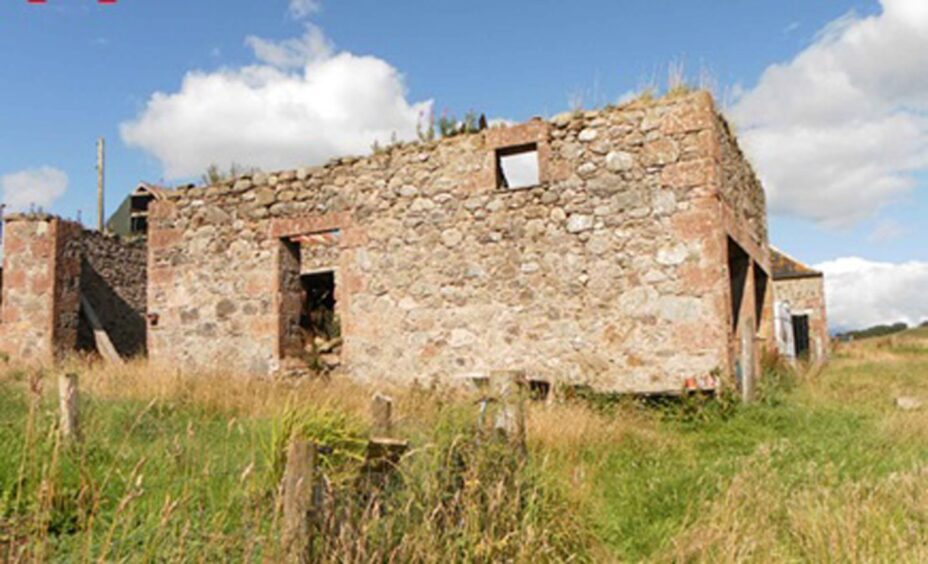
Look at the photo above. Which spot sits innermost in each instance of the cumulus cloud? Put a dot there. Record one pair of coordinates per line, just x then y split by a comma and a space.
838, 132
302, 102
862, 293
37, 187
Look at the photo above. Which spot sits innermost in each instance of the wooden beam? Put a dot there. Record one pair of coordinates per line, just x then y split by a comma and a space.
103, 343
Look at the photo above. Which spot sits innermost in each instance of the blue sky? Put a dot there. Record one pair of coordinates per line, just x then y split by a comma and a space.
73, 70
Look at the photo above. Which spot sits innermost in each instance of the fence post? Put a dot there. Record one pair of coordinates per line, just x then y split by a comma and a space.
382, 411
510, 387
298, 500
68, 403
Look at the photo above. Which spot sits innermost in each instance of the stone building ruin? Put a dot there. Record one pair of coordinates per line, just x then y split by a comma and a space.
800, 322
624, 249
65, 287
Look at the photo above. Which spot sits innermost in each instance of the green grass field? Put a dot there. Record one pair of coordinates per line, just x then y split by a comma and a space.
823, 467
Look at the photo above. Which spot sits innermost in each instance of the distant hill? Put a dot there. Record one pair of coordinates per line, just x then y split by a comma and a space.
875, 331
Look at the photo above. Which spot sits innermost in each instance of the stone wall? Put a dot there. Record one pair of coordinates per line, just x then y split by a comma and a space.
113, 279
49, 263
39, 285
611, 272
743, 211
806, 296
741, 190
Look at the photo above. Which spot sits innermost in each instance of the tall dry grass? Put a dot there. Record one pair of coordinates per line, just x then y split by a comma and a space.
179, 467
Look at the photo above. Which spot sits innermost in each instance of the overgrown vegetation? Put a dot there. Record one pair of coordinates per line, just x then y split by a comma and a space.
822, 467
215, 175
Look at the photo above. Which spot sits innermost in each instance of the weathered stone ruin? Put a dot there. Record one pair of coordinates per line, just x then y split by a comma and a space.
55, 271
800, 321
623, 249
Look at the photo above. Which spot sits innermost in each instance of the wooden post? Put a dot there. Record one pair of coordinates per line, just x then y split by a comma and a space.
510, 385
297, 492
68, 401
100, 162
383, 456
382, 411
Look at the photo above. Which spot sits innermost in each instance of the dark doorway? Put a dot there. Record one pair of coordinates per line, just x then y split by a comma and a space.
318, 315
738, 266
801, 335
760, 294
319, 322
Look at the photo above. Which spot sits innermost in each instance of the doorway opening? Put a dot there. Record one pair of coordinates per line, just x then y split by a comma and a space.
801, 336
319, 323
738, 266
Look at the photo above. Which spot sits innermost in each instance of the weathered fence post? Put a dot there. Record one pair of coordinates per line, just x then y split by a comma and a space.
298, 500
68, 402
382, 411
383, 452
510, 385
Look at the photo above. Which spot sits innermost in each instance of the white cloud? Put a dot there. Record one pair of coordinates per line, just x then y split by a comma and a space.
302, 8
302, 103
36, 187
837, 132
292, 53
862, 293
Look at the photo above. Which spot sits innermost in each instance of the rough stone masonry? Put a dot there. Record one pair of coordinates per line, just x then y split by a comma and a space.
49, 263
633, 259
637, 261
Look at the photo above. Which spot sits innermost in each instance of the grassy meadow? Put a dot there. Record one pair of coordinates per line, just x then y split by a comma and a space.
823, 467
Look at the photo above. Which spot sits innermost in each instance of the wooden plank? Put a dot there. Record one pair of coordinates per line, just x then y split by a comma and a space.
103, 343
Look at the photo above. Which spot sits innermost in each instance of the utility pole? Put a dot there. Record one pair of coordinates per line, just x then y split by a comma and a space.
100, 149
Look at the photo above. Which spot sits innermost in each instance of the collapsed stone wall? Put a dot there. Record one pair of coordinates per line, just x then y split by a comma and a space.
113, 279
50, 263
611, 272
806, 296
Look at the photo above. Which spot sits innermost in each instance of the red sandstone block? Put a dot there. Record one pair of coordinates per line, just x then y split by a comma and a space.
163, 238
535, 131
160, 209
353, 237
290, 227
13, 244
14, 279
696, 278
41, 284
693, 115
10, 313
688, 174
694, 225
261, 326
41, 248
351, 283
160, 276
704, 143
